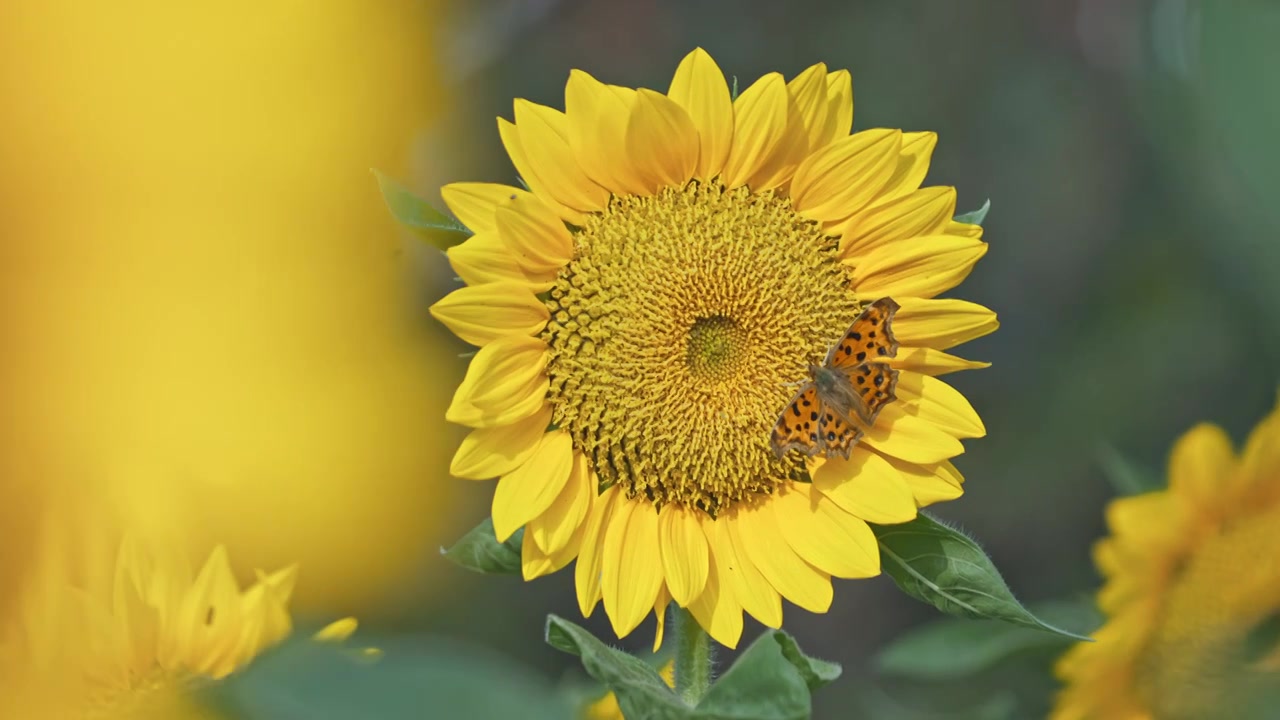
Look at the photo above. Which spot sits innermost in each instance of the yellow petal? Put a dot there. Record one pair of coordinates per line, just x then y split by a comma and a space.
474, 203
485, 258
924, 212
843, 177
912, 164
544, 135
512, 141
795, 579
931, 399
1152, 520
506, 382
662, 141
535, 563
699, 88
632, 571
910, 438
1202, 464
660, 614
535, 234
484, 313
598, 116
527, 491
964, 229
494, 451
922, 267
337, 631
685, 557
553, 529
586, 573
1260, 460
753, 591
941, 324
716, 609
840, 104
932, 362
768, 140
866, 486
827, 537
935, 482
808, 92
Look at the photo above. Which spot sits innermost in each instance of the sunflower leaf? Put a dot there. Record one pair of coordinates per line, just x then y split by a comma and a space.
640, 690
419, 216
479, 550
945, 568
771, 680
951, 649
975, 217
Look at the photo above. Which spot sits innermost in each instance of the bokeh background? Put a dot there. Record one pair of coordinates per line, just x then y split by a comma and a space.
211, 327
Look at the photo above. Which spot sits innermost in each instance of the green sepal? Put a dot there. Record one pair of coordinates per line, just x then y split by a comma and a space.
437, 228
951, 649
479, 550
946, 569
975, 217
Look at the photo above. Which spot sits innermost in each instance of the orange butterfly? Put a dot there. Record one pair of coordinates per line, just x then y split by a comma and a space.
855, 379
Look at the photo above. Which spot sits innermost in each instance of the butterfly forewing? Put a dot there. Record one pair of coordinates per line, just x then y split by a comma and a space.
869, 339
797, 427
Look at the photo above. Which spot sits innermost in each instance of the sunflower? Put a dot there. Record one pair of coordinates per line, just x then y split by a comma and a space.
1192, 592
644, 309
134, 646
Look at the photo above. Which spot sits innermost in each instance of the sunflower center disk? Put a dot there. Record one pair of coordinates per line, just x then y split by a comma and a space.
677, 334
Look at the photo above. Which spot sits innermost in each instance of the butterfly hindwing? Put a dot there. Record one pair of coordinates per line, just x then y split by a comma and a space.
797, 427
869, 339
875, 385
837, 436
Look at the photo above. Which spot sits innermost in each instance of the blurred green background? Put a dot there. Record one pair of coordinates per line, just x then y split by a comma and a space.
1129, 150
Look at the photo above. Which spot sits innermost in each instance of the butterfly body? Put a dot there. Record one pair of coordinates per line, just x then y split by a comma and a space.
845, 394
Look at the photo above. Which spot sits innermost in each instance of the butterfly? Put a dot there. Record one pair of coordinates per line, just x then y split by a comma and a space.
854, 380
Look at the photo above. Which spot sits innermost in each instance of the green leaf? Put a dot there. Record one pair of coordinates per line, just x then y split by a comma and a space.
976, 216
640, 690
1126, 476
417, 214
733, 92
876, 703
953, 649
771, 680
945, 568
479, 550
414, 678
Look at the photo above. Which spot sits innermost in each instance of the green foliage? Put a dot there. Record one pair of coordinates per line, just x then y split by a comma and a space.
952, 649
772, 679
479, 550
975, 217
1126, 476
945, 568
418, 215
414, 679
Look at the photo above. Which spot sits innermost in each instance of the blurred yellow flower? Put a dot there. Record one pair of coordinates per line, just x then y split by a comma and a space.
606, 708
645, 309
1192, 593
206, 313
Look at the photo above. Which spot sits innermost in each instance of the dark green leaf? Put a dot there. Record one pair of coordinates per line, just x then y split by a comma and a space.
1126, 476
733, 92
770, 681
479, 550
975, 217
952, 649
414, 678
641, 692
945, 568
876, 704
417, 214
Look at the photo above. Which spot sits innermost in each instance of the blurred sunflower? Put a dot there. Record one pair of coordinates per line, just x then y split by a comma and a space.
677, 261
1192, 591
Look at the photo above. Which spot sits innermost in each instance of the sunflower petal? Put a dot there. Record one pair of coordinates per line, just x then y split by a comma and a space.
716, 608
913, 163
544, 136
660, 615
910, 438
843, 177
768, 140
685, 558
553, 529
662, 140
923, 267
632, 571
491, 452
535, 234
484, 313
932, 362
826, 536
924, 212
485, 258
866, 486
941, 324
930, 483
474, 202
1202, 464
795, 579
516, 151
753, 591
586, 573
505, 382
527, 491
699, 88
809, 96
840, 104
933, 400
598, 115
535, 562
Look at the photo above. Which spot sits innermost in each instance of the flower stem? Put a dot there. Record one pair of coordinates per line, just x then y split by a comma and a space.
693, 657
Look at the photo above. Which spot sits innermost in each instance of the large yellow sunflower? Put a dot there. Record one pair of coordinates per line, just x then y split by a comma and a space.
645, 309
1192, 593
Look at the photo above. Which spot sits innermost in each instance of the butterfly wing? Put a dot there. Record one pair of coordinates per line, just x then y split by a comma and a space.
869, 339
797, 426
874, 385
837, 435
